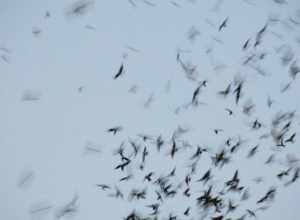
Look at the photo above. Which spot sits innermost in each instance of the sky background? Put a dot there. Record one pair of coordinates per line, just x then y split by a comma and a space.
46, 138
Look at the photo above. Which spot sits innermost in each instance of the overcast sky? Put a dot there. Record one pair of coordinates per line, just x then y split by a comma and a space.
58, 96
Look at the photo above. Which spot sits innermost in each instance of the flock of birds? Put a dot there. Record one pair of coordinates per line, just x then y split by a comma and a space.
216, 201
199, 181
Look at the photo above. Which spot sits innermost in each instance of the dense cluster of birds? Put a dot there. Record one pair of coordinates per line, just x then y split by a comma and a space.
198, 175
215, 199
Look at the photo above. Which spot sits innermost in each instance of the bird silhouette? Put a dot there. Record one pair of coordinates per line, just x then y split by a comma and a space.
103, 186
114, 130
246, 44
269, 195
223, 24
120, 71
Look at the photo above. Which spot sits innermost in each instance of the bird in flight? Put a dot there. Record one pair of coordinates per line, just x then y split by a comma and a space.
223, 24
120, 71
115, 130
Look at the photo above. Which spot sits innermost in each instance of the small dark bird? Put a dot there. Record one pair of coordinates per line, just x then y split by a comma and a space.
70, 208
198, 153
132, 3
195, 95
206, 177
103, 186
145, 137
120, 71
154, 208
230, 112
80, 89
256, 124
269, 195
167, 191
149, 3
286, 87
294, 69
187, 179
253, 151
295, 176
228, 142
126, 178
159, 142
40, 208
133, 194
36, 31
175, 4
174, 148
122, 165
257, 42
283, 173
258, 179
187, 211
26, 178
193, 167
172, 173
115, 130
280, 142
80, 8
203, 83
149, 101
291, 139
220, 158
237, 92
270, 159
158, 196
246, 44
178, 57
136, 148
243, 217
120, 151
270, 102
235, 179
217, 131
132, 216
171, 193
187, 192
172, 217
251, 213
224, 24
231, 207
248, 108
148, 177
139, 194
261, 31
234, 148
47, 15
226, 91
248, 59
286, 126
259, 35
145, 153
220, 217
245, 195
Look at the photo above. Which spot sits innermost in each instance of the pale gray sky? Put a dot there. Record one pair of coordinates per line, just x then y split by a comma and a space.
44, 139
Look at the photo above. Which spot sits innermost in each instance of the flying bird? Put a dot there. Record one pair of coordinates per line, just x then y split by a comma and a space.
223, 24
120, 71
115, 130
